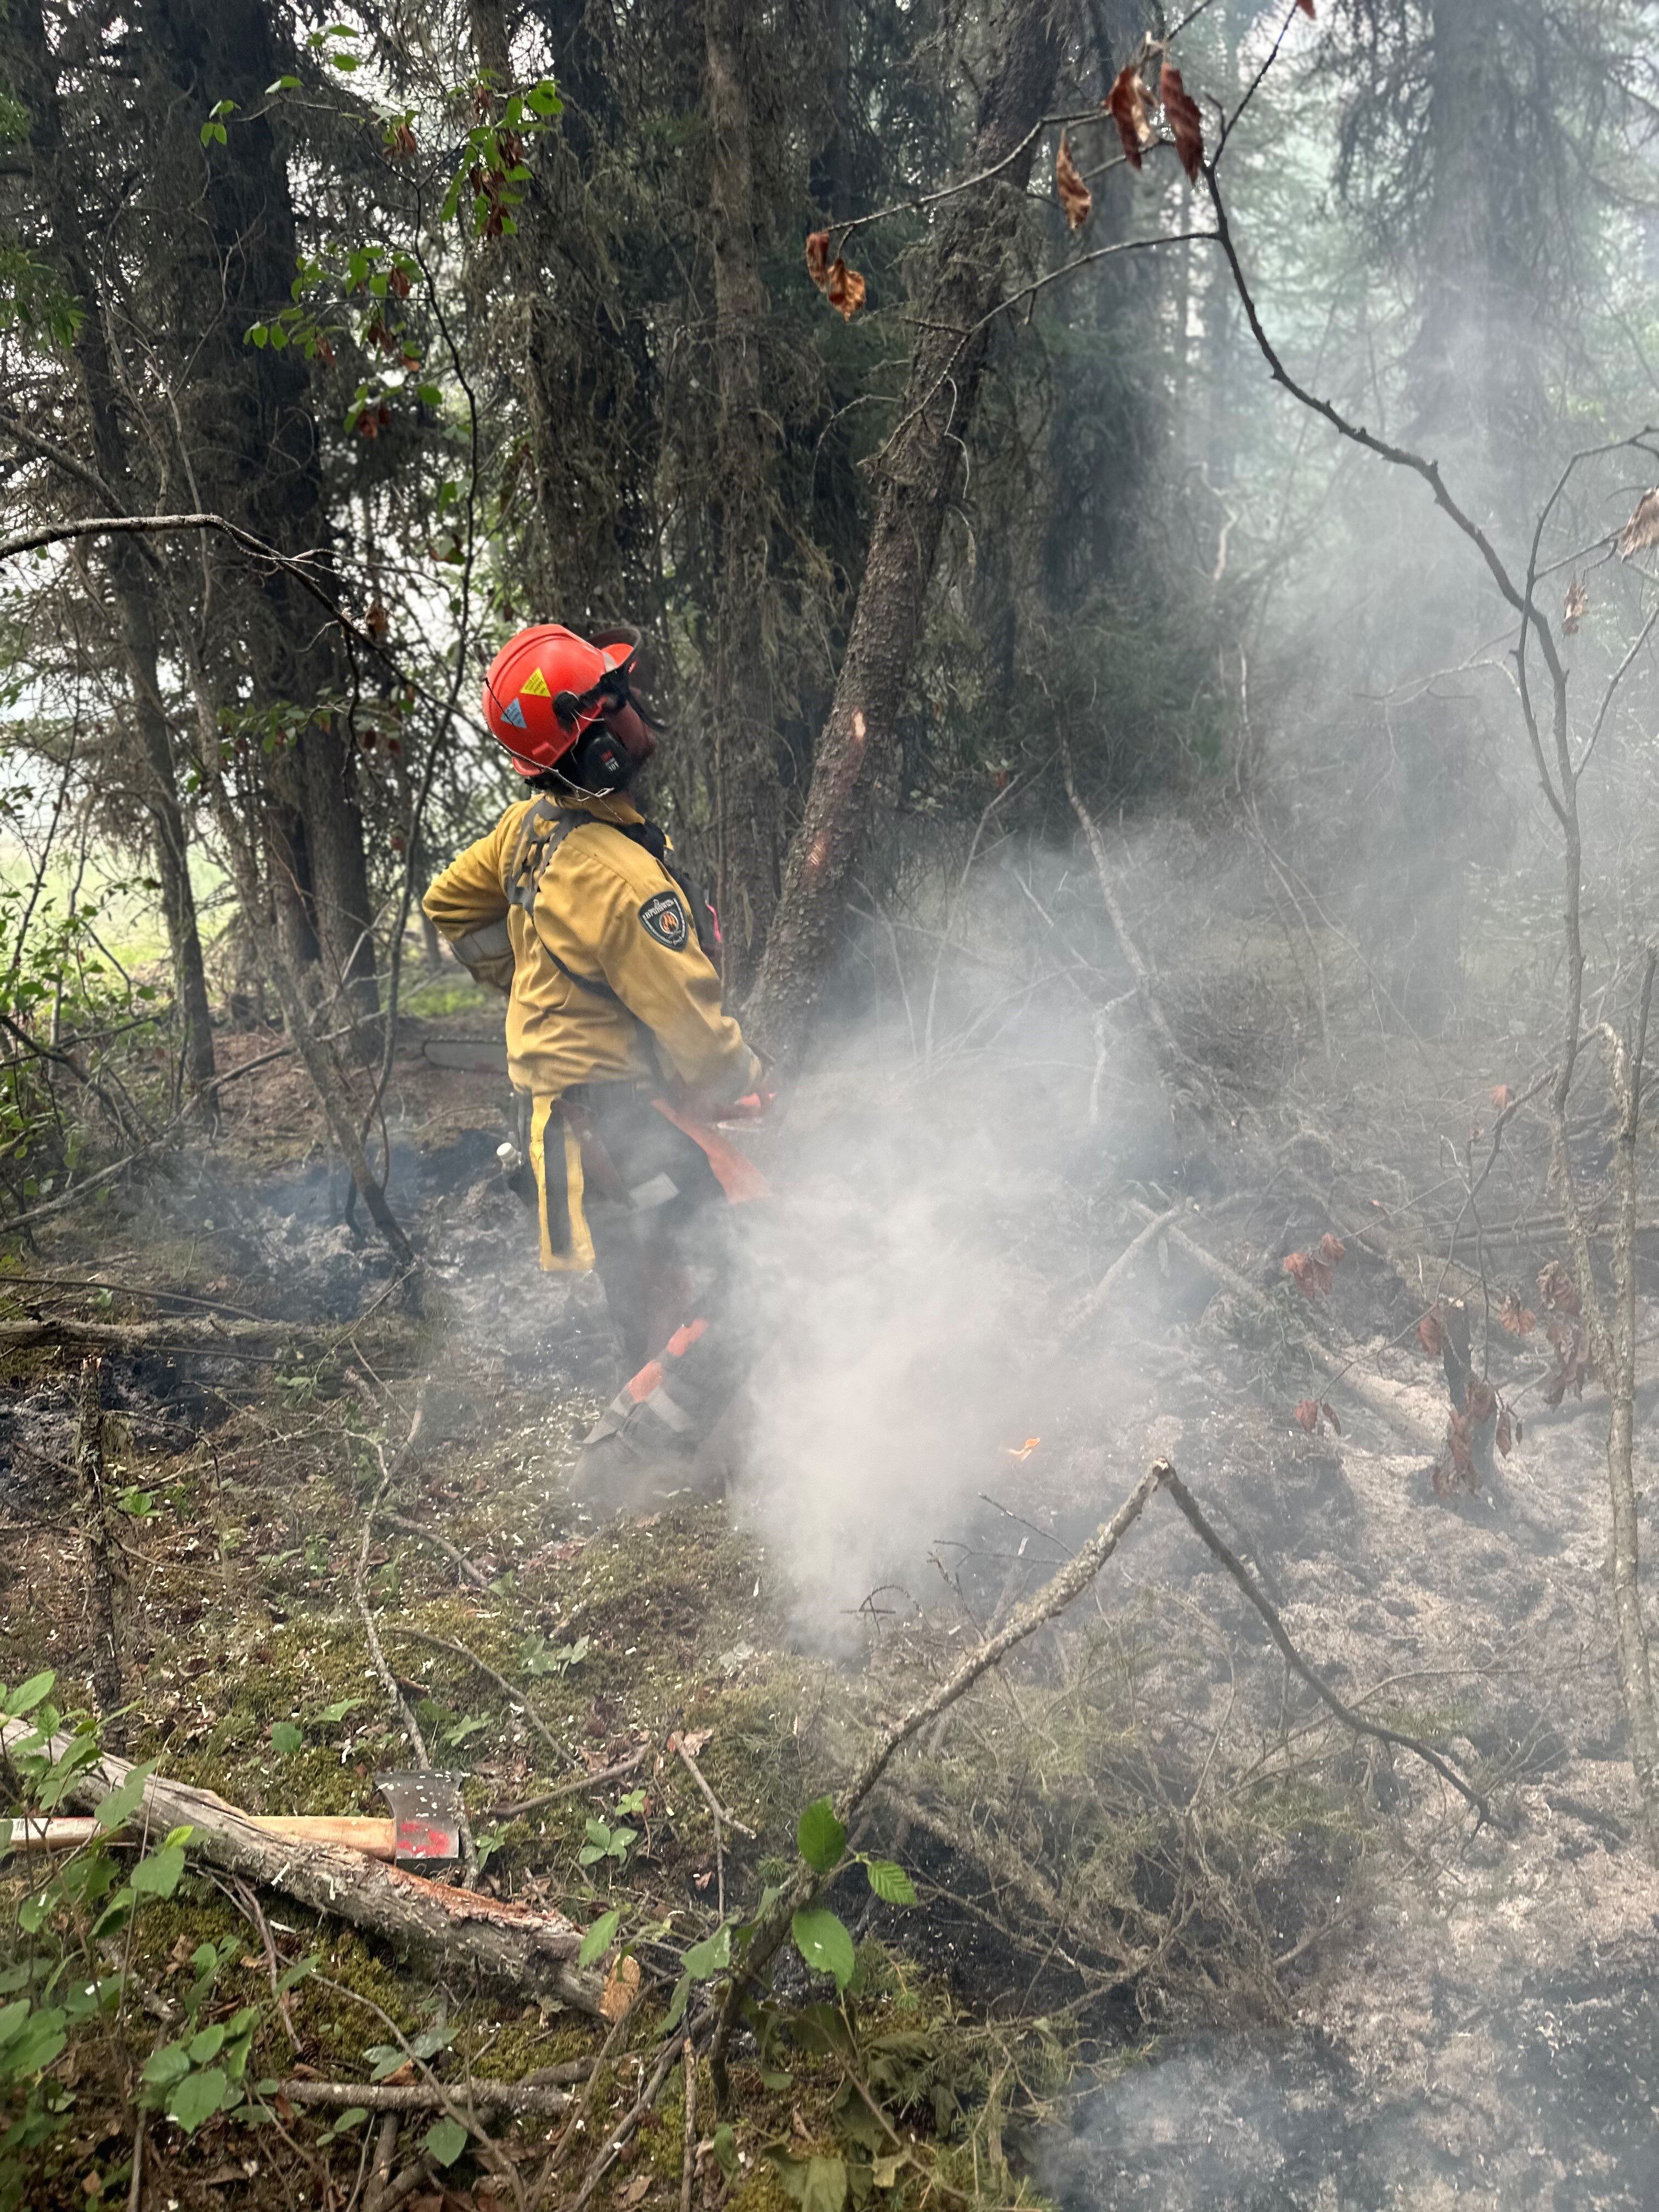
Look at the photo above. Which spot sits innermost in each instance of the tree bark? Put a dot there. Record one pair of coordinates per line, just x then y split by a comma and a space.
511, 1946
132, 576
253, 445
965, 283
743, 737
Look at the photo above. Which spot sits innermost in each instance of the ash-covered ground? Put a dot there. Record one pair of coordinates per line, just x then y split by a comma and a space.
1456, 2013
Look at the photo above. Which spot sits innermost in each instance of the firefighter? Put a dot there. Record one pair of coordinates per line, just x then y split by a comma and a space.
619, 1046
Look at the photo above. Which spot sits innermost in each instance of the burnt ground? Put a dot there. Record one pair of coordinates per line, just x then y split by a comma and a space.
1275, 1968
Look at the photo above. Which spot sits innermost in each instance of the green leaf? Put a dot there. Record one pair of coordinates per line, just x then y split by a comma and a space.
353, 2117
28, 1695
824, 2188
122, 1802
891, 1882
676, 2011
724, 2145
820, 1837
543, 101
824, 1942
12, 2017
205, 2046
884, 2172
446, 2140
710, 1955
429, 395
597, 1942
286, 1737
283, 84
197, 2098
31, 1914
41, 2041
339, 1711
168, 2065
157, 1873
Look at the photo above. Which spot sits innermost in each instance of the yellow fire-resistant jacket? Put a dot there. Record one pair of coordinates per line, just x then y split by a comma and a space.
611, 913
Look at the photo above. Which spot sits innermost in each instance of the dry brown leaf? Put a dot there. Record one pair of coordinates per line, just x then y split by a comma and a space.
622, 1986
1480, 1400
1075, 198
695, 1741
1429, 1334
1186, 124
1332, 1250
1502, 1098
1505, 1439
843, 288
1311, 1275
377, 620
1643, 528
635, 2191
1577, 608
1307, 8
1307, 1414
818, 257
1127, 101
1329, 1411
1557, 1288
1515, 1319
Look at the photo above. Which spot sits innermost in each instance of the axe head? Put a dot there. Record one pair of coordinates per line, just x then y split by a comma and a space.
426, 1811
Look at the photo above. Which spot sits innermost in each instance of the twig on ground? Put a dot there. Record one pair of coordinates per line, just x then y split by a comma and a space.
618, 2138
427, 2097
1241, 1574
1082, 1315
1073, 1579
490, 2154
578, 2118
689, 2158
577, 1781
519, 1700
462, 1564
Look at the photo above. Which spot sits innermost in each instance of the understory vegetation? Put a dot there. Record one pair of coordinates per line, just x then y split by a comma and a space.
1141, 524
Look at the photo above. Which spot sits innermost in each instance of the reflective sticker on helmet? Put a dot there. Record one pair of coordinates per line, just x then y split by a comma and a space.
662, 917
514, 713
534, 686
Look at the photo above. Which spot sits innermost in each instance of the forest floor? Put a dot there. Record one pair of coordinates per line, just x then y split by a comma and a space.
1181, 1939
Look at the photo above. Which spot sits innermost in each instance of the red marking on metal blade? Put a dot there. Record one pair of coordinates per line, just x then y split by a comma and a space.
648, 1379
419, 1839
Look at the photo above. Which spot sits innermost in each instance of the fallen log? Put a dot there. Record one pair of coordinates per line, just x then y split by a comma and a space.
511, 1945
1368, 1390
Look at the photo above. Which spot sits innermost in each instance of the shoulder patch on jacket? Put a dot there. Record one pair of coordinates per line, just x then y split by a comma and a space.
662, 917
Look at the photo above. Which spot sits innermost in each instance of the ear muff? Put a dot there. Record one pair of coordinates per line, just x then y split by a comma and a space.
599, 761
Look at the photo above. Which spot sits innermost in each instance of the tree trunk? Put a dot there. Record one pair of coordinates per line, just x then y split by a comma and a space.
965, 283
253, 451
131, 575
743, 738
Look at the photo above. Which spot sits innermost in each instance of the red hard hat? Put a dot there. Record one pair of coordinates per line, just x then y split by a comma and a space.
546, 686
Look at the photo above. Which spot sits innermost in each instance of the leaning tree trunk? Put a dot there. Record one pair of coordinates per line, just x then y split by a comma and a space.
743, 744
964, 285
